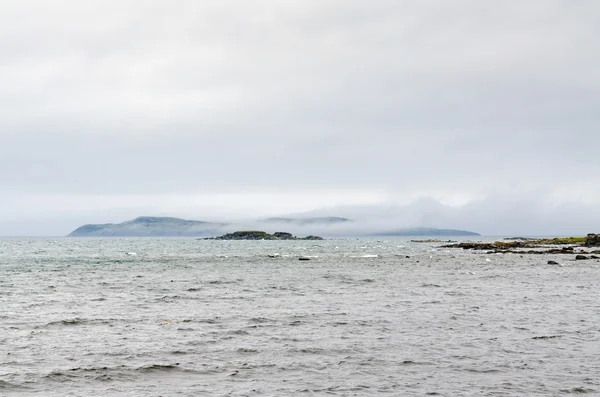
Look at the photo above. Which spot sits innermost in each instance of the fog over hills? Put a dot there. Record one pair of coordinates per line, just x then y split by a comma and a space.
308, 221
147, 226
534, 215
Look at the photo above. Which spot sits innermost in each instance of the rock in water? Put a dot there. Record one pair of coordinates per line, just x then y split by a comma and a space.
581, 257
304, 258
592, 240
311, 237
552, 263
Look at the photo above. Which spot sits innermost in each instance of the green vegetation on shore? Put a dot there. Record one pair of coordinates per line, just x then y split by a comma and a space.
561, 241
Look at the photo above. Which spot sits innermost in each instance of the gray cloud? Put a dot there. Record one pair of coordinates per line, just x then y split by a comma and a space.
397, 99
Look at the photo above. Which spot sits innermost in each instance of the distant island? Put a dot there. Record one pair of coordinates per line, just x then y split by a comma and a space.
425, 231
149, 226
260, 235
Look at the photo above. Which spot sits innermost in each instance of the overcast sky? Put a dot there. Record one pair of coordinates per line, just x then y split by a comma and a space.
487, 111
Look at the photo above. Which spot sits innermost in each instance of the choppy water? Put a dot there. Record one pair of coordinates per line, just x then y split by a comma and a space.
80, 317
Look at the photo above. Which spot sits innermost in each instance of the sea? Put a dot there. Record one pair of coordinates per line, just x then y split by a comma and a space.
360, 317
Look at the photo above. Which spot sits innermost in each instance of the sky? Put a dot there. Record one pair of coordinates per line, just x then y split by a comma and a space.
456, 113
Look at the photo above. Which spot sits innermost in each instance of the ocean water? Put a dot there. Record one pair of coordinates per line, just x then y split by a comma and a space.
184, 317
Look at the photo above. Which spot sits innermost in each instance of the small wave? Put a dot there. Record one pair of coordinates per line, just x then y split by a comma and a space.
259, 320
104, 373
10, 386
72, 321
75, 373
238, 332
578, 390
158, 368
246, 350
209, 320
410, 362
482, 371
219, 282
547, 337
308, 350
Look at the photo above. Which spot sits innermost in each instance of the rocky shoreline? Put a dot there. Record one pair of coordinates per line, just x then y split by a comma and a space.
260, 235
580, 246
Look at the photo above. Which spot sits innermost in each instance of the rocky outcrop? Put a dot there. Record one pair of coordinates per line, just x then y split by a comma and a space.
592, 240
511, 245
311, 237
260, 235
283, 236
539, 246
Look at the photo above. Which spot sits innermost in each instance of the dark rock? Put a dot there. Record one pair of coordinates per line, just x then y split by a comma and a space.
283, 235
311, 237
303, 258
552, 263
547, 337
581, 257
594, 257
592, 240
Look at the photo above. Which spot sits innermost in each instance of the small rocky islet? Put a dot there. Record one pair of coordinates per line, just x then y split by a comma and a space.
260, 235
